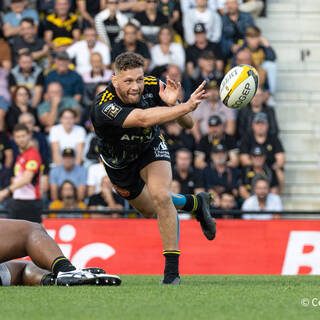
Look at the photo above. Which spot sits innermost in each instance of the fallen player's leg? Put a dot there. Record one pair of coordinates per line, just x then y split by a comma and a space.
20, 238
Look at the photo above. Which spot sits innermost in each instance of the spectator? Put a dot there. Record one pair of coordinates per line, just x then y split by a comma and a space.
191, 4
254, 7
218, 176
106, 197
190, 179
262, 200
177, 138
70, 80
96, 172
206, 70
12, 19
27, 73
246, 115
227, 203
234, 26
175, 74
29, 121
5, 57
258, 168
26, 203
201, 44
68, 171
67, 199
110, 22
130, 7
61, 27
210, 107
67, 135
97, 75
202, 14
6, 160
82, 50
262, 53
171, 10
20, 98
216, 135
269, 143
245, 57
131, 43
167, 51
150, 22
88, 9
28, 42
4, 95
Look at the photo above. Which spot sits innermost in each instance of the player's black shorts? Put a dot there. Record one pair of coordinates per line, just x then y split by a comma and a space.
29, 210
127, 181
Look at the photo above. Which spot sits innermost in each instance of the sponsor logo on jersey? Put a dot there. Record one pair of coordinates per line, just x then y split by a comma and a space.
111, 110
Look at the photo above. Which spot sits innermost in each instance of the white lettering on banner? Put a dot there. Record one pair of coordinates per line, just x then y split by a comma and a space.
80, 258
303, 250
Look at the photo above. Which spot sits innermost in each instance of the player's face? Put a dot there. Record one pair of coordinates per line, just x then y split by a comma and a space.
22, 139
129, 85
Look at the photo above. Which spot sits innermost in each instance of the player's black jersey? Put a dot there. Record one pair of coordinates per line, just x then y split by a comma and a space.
119, 146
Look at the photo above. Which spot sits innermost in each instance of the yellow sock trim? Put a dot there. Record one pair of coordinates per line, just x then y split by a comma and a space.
171, 251
195, 203
52, 267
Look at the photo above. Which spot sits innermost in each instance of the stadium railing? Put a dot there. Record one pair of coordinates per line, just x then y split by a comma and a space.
289, 214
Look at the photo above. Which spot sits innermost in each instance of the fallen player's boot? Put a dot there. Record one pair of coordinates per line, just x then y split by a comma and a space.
81, 277
170, 279
203, 215
94, 270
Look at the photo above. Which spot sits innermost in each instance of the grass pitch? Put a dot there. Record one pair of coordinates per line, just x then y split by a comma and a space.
141, 297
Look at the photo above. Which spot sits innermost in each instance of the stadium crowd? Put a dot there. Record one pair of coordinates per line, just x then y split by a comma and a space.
56, 55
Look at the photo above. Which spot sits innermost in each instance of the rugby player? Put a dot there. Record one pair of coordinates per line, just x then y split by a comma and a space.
19, 238
126, 116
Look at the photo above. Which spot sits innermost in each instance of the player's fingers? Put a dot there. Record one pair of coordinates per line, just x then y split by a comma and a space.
171, 83
202, 85
179, 85
161, 87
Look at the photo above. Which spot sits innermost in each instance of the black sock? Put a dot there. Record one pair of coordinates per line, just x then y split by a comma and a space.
171, 270
192, 203
48, 280
61, 264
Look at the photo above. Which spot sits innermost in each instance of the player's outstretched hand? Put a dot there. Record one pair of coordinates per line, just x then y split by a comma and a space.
197, 96
171, 93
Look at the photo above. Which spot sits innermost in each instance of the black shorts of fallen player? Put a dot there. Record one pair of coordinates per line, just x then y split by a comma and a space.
127, 181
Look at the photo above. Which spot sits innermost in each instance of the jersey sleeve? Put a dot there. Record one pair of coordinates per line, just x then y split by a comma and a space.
109, 112
152, 85
33, 161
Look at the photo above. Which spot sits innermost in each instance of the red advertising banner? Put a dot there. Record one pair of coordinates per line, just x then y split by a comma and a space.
128, 246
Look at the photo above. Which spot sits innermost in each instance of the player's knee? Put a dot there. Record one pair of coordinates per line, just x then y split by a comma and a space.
161, 198
147, 214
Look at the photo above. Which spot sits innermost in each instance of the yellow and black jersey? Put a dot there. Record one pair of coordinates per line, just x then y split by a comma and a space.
119, 146
62, 30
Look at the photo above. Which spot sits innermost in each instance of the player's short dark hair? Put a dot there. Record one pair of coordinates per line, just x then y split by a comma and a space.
68, 110
127, 61
28, 20
20, 127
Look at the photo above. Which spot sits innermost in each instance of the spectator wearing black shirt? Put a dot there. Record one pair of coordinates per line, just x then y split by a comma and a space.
216, 136
131, 43
246, 115
258, 168
177, 138
200, 45
110, 22
27, 73
150, 22
171, 10
206, 70
270, 143
218, 176
61, 27
28, 42
20, 104
6, 160
190, 179
88, 9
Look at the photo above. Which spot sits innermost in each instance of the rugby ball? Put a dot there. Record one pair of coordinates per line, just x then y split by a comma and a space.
239, 86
